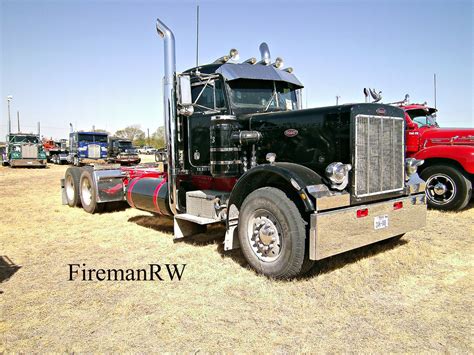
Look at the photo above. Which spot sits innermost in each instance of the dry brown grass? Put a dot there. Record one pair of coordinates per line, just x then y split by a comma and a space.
406, 296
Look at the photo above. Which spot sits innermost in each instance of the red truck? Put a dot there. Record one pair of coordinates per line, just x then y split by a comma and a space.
448, 155
56, 151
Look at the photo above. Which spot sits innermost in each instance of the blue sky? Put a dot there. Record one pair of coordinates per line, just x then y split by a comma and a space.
101, 63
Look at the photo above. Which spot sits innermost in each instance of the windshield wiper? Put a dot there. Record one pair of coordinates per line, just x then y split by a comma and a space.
274, 93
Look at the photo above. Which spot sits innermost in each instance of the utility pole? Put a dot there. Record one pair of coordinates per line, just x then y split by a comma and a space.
337, 99
9, 98
18, 120
148, 136
434, 83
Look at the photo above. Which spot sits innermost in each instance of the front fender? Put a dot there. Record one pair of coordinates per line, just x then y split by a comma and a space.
463, 154
295, 176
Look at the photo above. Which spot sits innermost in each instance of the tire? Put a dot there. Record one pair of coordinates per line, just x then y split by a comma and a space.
71, 184
457, 188
280, 252
88, 193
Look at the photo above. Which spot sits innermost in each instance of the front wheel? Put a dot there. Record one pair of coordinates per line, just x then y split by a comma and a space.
446, 187
272, 234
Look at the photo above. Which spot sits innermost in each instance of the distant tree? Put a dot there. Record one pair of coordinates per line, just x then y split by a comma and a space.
158, 137
134, 133
101, 131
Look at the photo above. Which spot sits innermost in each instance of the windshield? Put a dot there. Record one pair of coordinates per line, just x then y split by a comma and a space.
423, 118
125, 144
24, 139
92, 138
263, 95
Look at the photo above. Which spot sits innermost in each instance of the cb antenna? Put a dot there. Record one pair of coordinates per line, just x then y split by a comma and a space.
197, 39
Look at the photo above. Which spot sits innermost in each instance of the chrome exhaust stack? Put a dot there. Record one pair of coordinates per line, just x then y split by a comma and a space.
265, 57
169, 107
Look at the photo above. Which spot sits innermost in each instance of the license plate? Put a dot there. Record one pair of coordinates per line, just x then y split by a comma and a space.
381, 222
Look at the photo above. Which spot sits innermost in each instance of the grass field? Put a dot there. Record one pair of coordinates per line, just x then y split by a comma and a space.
411, 295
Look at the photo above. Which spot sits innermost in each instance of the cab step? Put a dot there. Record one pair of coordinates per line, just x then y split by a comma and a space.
186, 225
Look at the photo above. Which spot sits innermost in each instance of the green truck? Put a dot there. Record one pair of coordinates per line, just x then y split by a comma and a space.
24, 150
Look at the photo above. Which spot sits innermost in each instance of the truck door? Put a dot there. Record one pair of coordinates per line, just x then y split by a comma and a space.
209, 101
412, 135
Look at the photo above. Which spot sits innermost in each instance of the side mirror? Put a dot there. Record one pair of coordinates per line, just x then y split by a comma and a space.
184, 90
185, 100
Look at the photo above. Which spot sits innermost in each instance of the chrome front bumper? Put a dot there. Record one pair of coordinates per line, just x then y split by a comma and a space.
337, 231
28, 162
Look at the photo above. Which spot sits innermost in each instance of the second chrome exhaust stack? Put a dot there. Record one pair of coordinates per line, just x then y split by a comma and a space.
169, 109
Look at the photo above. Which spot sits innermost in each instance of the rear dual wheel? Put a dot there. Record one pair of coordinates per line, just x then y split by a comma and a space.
88, 193
71, 185
80, 190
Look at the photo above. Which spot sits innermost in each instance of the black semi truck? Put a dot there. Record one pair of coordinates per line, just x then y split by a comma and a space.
122, 151
291, 185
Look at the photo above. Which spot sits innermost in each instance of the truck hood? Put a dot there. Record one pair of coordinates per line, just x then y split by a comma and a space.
443, 136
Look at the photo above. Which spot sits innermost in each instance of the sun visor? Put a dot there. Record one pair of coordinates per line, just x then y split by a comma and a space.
232, 71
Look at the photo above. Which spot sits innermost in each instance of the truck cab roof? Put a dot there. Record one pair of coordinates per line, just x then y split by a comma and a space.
92, 133
429, 110
233, 71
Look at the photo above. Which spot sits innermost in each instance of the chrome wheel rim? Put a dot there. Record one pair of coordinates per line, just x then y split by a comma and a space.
86, 192
440, 189
264, 235
70, 188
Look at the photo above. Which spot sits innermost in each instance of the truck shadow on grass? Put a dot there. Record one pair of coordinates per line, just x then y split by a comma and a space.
352, 256
7, 269
118, 206
215, 234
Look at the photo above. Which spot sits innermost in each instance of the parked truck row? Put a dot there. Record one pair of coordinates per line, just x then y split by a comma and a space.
25, 150
290, 185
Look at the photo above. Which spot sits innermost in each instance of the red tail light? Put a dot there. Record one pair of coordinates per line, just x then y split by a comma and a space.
398, 205
364, 212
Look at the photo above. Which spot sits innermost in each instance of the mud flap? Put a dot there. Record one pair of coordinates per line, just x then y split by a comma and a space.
63, 193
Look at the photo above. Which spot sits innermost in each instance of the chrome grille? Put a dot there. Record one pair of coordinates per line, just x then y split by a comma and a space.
29, 151
93, 151
379, 155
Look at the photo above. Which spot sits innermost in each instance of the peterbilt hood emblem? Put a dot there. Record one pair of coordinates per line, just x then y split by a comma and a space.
380, 111
291, 132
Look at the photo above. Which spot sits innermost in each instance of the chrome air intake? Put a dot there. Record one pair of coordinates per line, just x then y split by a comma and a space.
169, 107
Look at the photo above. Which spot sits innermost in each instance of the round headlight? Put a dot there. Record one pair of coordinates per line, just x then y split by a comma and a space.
338, 172
411, 165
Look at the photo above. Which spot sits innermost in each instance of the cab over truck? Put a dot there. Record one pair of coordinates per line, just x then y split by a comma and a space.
448, 155
56, 151
292, 186
121, 151
24, 150
87, 148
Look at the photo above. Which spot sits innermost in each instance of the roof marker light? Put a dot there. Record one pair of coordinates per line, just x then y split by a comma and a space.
278, 63
252, 60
